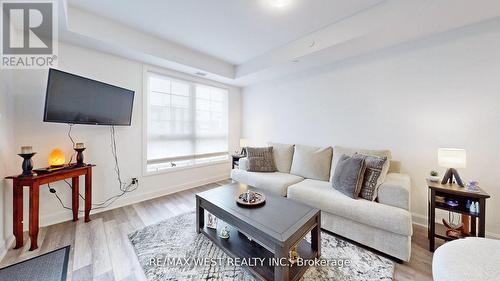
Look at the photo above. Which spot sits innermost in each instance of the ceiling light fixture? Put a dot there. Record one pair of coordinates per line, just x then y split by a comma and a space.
279, 3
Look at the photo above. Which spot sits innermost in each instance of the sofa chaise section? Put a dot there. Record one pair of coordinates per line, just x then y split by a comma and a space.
382, 227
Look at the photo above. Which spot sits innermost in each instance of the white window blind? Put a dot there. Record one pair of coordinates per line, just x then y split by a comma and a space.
187, 123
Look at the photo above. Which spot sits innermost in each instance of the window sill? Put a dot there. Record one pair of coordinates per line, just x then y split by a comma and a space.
147, 173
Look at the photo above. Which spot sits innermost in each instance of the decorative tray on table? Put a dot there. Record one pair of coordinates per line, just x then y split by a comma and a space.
251, 198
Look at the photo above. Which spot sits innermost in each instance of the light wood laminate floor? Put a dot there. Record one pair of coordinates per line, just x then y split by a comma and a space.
100, 249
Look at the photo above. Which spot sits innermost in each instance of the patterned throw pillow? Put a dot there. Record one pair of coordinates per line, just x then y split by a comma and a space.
348, 175
260, 159
374, 166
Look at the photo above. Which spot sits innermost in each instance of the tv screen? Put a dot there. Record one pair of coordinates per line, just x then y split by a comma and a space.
78, 100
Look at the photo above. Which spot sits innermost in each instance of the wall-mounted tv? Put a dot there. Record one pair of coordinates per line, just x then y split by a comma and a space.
78, 100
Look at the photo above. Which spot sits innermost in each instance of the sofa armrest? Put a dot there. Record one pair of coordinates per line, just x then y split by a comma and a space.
243, 164
395, 191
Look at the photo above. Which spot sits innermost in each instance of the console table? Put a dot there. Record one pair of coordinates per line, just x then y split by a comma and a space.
34, 182
461, 194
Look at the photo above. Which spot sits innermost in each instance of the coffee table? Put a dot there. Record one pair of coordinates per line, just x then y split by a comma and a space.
274, 229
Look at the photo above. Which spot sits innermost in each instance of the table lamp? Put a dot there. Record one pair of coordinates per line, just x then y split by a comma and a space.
243, 145
452, 158
56, 158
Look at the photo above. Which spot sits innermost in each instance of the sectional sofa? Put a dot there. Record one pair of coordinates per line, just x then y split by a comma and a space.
304, 174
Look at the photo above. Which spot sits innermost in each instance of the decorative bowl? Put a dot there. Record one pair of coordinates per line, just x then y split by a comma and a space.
452, 203
251, 198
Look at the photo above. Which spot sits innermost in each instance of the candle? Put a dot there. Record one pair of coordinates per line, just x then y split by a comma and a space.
79, 145
26, 149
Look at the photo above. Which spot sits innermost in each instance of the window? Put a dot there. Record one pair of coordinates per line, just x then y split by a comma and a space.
187, 123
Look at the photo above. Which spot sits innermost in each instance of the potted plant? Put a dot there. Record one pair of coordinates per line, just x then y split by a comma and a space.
434, 176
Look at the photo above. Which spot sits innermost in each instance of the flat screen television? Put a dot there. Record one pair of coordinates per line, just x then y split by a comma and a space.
78, 100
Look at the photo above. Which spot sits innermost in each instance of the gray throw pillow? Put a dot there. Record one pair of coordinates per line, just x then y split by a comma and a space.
374, 166
348, 175
260, 159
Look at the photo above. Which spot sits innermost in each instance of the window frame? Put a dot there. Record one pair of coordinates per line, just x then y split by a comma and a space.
145, 104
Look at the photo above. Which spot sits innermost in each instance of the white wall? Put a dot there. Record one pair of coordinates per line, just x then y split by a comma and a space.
28, 105
443, 91
6, 139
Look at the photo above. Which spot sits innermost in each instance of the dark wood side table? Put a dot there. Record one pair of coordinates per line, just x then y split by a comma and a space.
235, 159
461, 194
34, 182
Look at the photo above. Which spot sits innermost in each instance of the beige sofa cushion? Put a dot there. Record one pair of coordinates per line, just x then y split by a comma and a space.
321, 195
283, 155
274, 182
340, 150
395, 191
392, 244
312, 162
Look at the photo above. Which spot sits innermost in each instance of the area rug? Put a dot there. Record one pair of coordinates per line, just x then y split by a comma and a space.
163, 250
52, 266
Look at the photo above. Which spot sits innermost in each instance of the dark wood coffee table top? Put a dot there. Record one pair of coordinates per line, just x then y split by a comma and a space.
278, 217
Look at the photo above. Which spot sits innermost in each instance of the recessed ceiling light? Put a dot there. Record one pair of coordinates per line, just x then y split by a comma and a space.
279, 3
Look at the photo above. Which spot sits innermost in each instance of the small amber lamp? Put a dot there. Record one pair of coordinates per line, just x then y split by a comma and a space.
56, 158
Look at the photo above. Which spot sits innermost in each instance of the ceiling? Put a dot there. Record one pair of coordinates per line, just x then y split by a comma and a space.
244, 42
232, 30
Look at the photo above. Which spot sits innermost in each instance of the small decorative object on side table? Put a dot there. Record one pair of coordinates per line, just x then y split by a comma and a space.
56, 158
235, 159
27, 153
79, 148
434, 176
462, 196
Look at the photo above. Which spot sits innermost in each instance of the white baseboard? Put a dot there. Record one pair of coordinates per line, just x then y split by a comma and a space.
66, 215
3, 249
5, 246
421, 220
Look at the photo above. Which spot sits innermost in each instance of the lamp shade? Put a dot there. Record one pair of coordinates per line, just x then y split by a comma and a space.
243, 143
452, 157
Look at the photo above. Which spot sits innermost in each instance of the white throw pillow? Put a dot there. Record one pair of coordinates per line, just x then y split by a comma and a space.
283, 155
312, 162
338, 151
